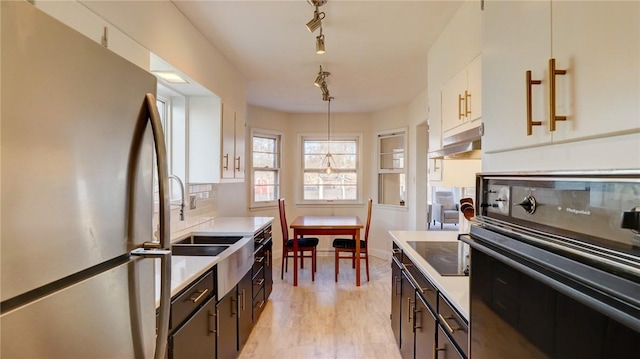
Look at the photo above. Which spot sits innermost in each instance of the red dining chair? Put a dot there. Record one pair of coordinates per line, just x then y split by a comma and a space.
348, 245
305, 244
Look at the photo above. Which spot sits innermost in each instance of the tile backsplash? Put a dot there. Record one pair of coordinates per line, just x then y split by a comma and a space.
206, 198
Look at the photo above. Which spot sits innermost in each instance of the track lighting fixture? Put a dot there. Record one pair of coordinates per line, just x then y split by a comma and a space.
316, 22
322, 75
320, 43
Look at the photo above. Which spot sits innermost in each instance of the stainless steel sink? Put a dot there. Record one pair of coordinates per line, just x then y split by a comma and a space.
235, 252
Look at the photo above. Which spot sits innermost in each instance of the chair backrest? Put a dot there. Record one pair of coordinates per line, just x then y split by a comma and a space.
366, 229
446, 199
283, 221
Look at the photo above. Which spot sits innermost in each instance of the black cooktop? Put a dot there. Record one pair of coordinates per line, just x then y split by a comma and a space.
444, 257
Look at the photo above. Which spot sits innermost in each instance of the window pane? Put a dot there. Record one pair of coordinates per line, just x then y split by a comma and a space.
343, 147
313, 161
344, 161
265, 187
263, 144
330, 192
264, 160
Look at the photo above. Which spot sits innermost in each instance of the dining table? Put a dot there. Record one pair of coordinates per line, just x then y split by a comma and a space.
327, 226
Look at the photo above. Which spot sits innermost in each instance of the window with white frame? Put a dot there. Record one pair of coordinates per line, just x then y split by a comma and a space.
343, 184
265, 162
391, 167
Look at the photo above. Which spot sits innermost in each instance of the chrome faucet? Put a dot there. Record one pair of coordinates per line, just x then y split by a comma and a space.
182, 195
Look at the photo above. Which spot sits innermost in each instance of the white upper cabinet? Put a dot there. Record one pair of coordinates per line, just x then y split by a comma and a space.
595, 89
233, 141
461, 100
598, 43
204, 139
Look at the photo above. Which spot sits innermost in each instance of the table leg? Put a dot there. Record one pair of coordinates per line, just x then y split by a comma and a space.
357, 257
295, 258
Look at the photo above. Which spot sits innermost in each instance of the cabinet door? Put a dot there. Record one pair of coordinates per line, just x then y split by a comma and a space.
453, 99
239, 150
245, 309
407, 333
228, 141
196, 338
396, 299
268, 269
474, 90
598, 43
516, 38
227, 327
446, 349
425, 328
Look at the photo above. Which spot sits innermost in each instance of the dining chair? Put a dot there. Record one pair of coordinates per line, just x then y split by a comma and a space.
348, 245
305, 244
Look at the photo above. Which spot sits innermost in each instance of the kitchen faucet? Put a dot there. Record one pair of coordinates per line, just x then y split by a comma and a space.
182, 195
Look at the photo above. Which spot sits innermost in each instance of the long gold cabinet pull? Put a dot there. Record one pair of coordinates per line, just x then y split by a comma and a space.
460, 111
467, 99
226, 162
530, 122
552, 94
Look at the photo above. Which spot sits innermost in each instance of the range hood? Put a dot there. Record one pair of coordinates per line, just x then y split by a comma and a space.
463, 145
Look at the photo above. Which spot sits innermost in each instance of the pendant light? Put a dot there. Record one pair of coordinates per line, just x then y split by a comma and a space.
328, 161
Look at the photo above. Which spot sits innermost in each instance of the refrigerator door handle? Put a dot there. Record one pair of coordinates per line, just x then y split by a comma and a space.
154, 249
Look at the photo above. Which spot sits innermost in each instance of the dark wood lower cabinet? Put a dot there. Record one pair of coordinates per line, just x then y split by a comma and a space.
407, 334
196, 339
425, 329
227, 326
446, 349
396, 298
245, 309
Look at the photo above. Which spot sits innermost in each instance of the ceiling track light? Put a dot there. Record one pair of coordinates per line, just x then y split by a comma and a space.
316, 22
320, 43
322, 75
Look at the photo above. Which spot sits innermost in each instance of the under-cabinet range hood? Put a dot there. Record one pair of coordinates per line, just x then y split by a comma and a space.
463, 145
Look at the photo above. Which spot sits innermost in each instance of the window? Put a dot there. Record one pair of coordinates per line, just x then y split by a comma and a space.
343, 183
265, 162
391, 167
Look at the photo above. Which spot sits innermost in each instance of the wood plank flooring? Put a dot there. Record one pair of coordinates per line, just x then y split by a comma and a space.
325, 319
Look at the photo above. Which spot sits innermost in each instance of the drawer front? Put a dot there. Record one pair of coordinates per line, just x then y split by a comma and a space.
259, 259
187, 302
258, 281
454, 325
259, 302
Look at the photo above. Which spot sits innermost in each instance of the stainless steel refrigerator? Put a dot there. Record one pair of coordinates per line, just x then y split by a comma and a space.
79, 134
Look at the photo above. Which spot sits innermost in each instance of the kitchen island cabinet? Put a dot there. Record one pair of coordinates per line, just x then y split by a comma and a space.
424, 323
596, 47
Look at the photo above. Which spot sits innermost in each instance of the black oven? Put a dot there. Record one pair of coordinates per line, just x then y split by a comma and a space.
555, 266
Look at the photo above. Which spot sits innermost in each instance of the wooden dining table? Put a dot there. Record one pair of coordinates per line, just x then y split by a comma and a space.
328, 226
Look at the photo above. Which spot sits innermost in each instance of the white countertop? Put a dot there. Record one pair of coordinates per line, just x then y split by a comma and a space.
185, 269
454, 288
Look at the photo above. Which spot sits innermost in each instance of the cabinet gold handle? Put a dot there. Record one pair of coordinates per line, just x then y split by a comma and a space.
259, 282
261, 304
201, 294
467, 100
238, 166
436, 350
460, 112
226, 162
530, 122
443, 320
209, 330
260, 259
552, 94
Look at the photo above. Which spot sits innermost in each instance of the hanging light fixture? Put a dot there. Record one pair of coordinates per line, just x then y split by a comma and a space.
316, 21
320, 79
328, 160
320, 43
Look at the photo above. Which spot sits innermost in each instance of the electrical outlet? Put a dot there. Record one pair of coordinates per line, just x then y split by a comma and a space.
192, 201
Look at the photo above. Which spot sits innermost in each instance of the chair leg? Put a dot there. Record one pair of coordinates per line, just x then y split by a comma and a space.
301, 259
366, 261
337, 265
284, 254
313, 265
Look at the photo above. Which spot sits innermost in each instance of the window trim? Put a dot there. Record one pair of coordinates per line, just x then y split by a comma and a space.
279, 136
299, 186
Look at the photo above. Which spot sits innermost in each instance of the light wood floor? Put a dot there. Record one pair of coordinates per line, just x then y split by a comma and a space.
325, 319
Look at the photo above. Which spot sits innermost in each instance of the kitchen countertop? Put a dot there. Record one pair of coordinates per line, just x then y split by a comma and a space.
454, 288
185, 269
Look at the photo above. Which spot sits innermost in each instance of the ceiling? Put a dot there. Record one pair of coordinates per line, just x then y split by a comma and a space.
376, 51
